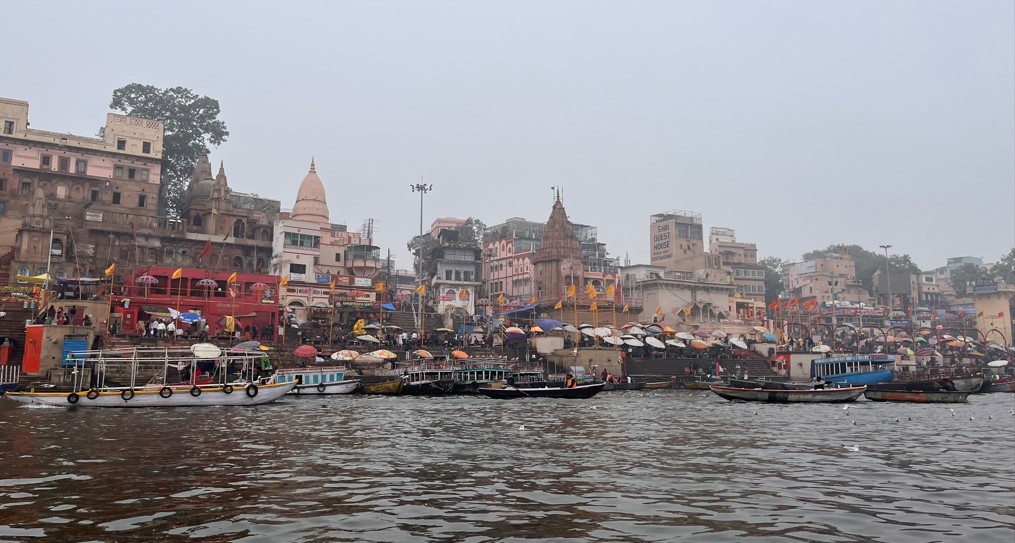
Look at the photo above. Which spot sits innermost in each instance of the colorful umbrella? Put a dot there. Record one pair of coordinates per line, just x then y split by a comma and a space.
383, 354
905, 351
699, 344
460, 355
206, 283
668, 330
769, 336
305, 351
421, 353
701, 333
719, 333
513, 332
345, 355
146, 280
927, 352
248, 346
536, 330
189, 317
259, 287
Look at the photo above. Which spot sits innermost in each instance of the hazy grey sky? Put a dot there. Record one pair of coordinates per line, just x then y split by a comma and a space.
799, 124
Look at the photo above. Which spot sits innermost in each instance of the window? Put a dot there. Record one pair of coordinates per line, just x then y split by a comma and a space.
45, 161
94, 195
447, 275
121, 145
142, 200
338, 257
144, 174
5, 156
3, 185
297, 268
116, 198
26, 188
64, 164
8, 127
80, 166
118, 172
146, 147
131, 173
61, 192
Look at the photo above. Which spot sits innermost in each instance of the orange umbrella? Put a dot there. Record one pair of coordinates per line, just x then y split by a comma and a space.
536, 330
699, 344
460, 355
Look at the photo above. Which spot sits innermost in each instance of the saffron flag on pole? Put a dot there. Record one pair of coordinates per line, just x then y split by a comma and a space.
464, 294
560, 304
177, 274
1000, 314
626, 309
111, 270
331, 285
570, 291
687, 311
379, 287
232, 279
500, 299
284, 281
206, 251
594, 306
659, 310
611, 291
421, 290
532, 300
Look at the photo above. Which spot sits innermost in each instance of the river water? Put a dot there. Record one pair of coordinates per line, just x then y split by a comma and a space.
623, 466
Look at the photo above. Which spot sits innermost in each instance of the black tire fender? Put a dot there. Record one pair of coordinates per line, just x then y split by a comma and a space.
228, 389
92, 394
251, 390
195, 391
127, 395
73, 398
165, 392
321, 388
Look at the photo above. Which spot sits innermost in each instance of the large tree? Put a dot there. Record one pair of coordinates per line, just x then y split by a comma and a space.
191, 125
774, 285
1004, 270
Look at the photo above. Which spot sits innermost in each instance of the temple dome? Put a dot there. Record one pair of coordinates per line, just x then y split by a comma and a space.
311, 202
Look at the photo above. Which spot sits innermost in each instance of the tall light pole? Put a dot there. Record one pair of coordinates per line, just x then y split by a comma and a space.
888, 279
421, 188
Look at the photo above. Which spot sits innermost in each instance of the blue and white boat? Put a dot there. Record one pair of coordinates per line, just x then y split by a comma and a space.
854, 370
313, 380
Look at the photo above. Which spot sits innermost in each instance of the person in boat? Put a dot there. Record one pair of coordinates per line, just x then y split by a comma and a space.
605, 374
569, 381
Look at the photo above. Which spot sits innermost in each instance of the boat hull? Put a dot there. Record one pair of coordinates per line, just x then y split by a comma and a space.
429, 388
917, 396
826, 395
510, 392
702, 385
623, 386
325, 389
215, 395
386, 388
862, 378
659, 385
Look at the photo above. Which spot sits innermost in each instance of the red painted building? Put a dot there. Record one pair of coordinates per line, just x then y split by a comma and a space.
252, 300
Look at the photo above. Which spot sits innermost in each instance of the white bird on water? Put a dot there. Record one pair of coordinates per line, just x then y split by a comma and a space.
522, 427
854, 423
845, 408
854, 448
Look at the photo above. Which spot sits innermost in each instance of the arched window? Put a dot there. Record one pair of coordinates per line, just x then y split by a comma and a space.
239, 229
196, 220
237, 262
61, 191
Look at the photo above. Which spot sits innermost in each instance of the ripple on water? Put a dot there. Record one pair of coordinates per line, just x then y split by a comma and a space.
666, 466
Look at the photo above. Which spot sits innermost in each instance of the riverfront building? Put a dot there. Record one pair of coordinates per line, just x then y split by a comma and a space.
315, 254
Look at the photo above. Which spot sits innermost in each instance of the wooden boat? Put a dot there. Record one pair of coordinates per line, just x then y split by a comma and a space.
623, 386
704, 384
816, 395
230, 378
470, 378
918, 396
656, 385
389, 388
853, 369
433, 380
505, 392
770, 385
963, 384
318, 380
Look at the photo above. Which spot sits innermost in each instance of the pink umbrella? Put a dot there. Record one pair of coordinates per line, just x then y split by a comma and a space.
259, 287
146, 280
207, 284
446, 298
305, 351
701, 333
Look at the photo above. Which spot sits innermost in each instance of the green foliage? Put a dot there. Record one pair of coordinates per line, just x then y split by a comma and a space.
1004, 270
774, 285
965, 276
191, 125
472, 232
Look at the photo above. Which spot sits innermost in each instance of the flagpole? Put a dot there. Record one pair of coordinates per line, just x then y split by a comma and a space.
109, 317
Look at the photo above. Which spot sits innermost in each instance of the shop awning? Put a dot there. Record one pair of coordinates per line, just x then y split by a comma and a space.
520, 310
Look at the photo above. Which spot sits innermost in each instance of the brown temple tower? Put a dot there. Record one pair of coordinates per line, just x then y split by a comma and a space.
558, 260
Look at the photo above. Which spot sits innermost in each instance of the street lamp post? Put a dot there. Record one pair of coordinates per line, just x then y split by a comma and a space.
888, 279
421, 188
